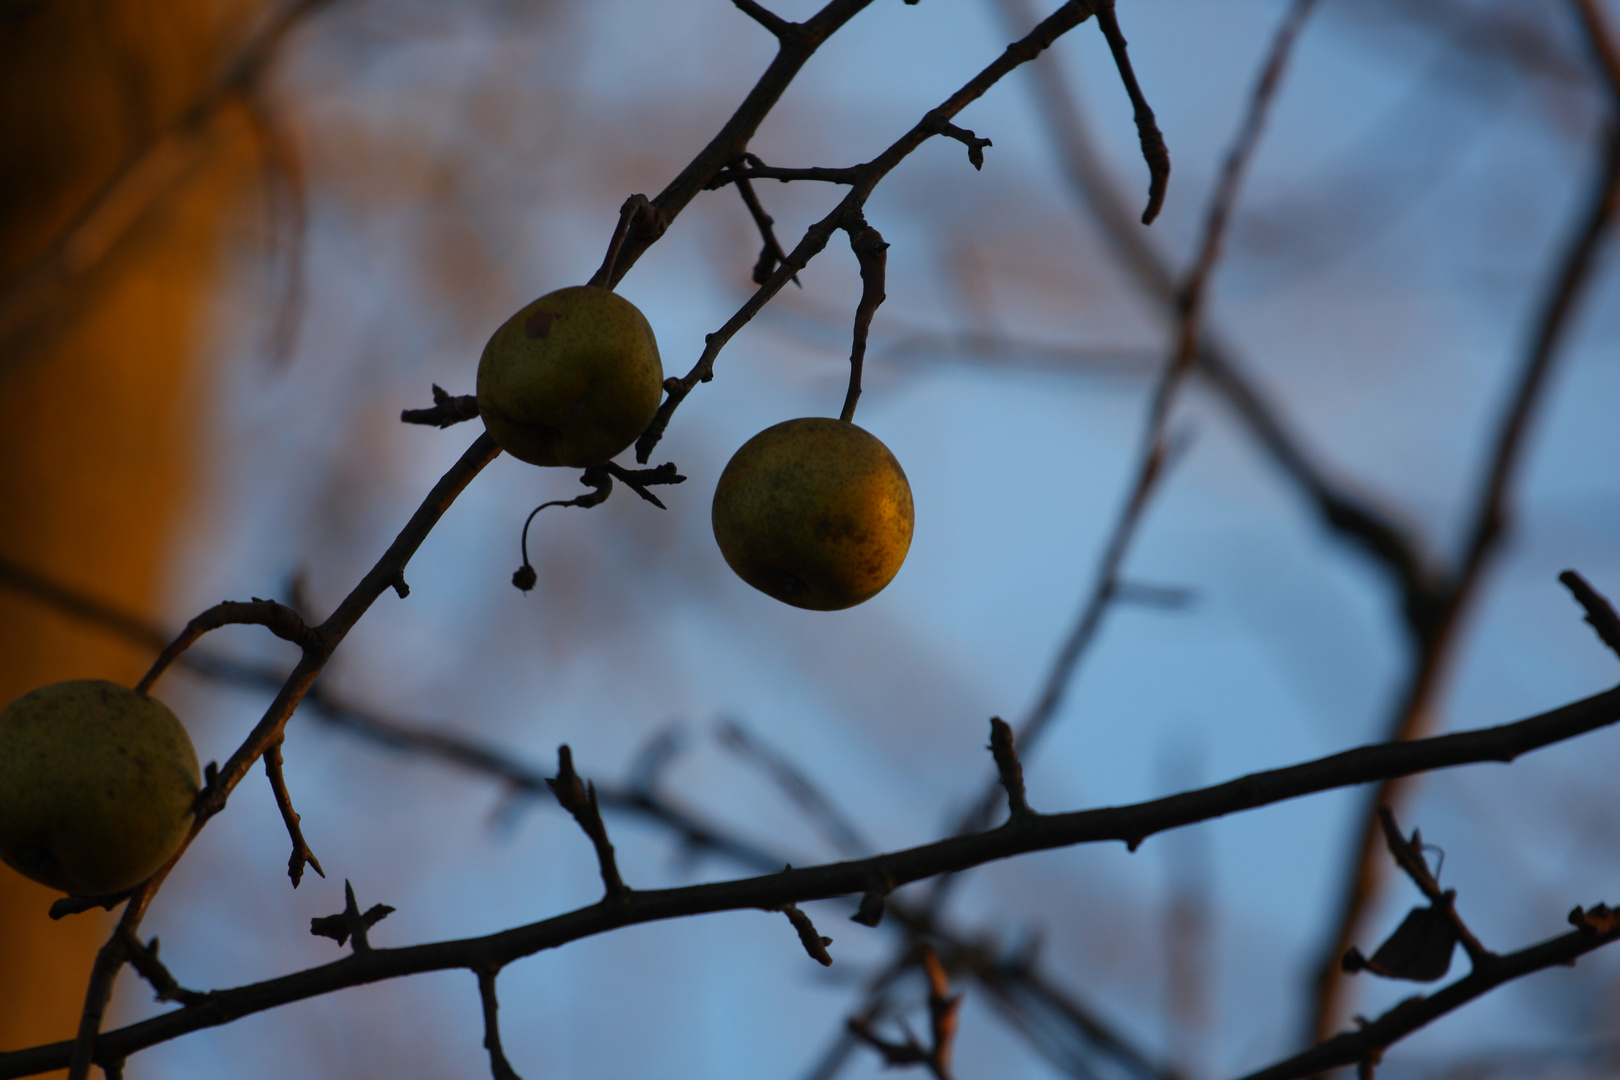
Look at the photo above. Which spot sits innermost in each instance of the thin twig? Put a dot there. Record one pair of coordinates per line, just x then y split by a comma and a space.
447, 409
1129, 823
1004, 750
301, 854
847, 213
770, 252
635, 212
870, 250
1154, 152
279, 619
1600, 614
579, 799
764, 16
499, 1067
809, 937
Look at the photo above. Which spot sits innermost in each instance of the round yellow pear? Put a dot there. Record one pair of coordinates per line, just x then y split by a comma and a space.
571, 379
815, 512
97, 783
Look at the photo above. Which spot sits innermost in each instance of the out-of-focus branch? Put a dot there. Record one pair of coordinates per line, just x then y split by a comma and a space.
1567, 283
1375, 531
579, 799
1155, 441
1599, 612
1037, 832
145, 174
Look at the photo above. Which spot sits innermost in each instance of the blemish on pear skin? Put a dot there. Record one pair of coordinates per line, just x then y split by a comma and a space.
538, 324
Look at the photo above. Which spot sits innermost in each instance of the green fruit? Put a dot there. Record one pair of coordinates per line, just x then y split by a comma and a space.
97, 783
815, 512
571, 379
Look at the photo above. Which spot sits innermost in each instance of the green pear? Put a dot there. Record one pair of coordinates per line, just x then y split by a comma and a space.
814, 512
571, 379
97, 783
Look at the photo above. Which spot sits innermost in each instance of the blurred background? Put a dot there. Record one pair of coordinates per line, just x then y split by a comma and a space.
240, 237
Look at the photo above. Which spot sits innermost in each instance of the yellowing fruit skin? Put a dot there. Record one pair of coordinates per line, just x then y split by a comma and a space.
571, 379
96, 786
814, 512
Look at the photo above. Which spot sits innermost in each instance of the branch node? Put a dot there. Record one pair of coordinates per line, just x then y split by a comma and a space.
870, 912
144, 959
350, 922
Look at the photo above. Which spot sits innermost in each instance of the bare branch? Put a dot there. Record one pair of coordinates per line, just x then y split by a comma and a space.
1599, 612
301, 854
279, 619
386, 573
847, 213
1371, 1039
144, 959
766, 18
579, 799
635, 214
1154, 151
1002, 748
499, 1067
870, 249
447, 409
770, 253
956, 853
813, 942
1566, 285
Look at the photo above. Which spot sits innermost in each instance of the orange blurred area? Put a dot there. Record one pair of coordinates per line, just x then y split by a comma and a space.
103, 271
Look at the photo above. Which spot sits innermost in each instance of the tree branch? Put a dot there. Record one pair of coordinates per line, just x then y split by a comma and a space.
1129, 823
1567, 284
579, 799
301, 854
499, 1067
1600, 614
1154, 152
847, 214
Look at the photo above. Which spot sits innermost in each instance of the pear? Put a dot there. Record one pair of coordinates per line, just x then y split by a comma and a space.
571, 379
814, 512
97, 783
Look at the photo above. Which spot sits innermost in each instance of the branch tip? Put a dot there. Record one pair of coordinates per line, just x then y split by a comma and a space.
813, 942
1600, 614
1012, 773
